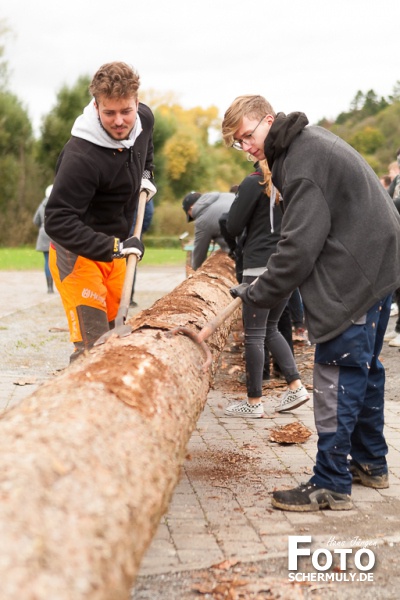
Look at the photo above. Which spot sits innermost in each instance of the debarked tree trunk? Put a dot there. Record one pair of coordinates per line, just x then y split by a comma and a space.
89, 461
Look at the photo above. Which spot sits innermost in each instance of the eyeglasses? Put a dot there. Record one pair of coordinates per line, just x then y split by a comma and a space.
247, 139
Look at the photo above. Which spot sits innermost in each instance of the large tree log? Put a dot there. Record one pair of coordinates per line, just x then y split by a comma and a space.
90, 460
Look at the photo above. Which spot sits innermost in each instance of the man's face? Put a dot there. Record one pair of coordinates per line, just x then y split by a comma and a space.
252, 133
117, 115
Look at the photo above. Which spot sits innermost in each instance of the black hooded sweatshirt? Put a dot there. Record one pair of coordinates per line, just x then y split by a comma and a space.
96, 191
340, 234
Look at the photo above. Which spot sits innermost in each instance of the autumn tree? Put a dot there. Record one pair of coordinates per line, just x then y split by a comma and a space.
19, 179
191, 161
20, 183
362, 106
166, 126
57, 125
367, 140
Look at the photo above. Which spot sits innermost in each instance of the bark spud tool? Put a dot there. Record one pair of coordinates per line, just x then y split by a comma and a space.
121, 329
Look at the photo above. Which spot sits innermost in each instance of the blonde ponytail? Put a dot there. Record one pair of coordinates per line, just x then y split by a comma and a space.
267, 180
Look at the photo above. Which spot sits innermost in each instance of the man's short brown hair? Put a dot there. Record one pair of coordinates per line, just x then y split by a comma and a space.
243, 106
115, 80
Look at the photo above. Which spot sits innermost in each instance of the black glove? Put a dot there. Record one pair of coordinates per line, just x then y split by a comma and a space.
229, 239
239, 291
132, 245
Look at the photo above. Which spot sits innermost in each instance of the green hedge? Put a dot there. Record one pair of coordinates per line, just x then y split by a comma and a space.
151, 241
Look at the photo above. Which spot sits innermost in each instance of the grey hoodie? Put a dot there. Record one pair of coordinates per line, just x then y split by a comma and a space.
206, 213
340, 231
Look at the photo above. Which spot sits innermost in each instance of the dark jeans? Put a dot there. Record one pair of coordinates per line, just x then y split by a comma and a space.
46, 266
349, 382
296, 309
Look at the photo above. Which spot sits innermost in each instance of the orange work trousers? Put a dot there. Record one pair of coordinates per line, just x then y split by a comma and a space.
90, 292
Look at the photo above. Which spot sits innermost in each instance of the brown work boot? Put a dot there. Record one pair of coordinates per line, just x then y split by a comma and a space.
378, 482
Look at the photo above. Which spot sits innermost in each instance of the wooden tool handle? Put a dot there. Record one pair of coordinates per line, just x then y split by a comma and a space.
213, 325
131, 263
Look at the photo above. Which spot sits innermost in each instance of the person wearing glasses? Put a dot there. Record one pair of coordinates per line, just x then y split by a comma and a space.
340, 244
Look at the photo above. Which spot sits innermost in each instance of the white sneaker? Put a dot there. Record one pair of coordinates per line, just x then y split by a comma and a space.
293, 399
394, 310
395, 341
390, 335
244, 409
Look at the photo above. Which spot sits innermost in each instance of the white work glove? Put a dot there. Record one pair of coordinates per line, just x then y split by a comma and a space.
132, 245
149, 188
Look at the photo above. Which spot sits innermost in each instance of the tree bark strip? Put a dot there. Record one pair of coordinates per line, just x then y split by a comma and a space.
90, 460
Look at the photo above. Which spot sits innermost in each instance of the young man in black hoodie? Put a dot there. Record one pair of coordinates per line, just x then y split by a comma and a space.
341, 246
99, 174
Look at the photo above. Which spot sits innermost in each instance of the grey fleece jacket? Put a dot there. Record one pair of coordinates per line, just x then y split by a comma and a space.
43, 240
340, 231
206, 213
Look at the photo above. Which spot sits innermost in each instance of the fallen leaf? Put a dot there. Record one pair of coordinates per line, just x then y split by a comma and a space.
293, 433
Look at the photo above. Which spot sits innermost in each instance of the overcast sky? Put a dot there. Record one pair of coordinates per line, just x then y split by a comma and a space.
308, 55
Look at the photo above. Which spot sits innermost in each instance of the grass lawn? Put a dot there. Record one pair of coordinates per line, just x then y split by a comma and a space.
27, 258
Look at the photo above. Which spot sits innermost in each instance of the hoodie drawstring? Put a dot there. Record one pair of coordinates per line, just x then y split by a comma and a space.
271, 206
